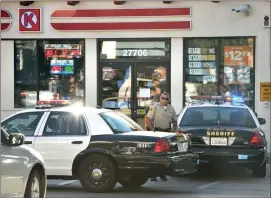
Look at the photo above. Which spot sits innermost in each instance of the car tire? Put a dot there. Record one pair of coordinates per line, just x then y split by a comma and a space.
259, 170
133, 182
97, 174
35, 185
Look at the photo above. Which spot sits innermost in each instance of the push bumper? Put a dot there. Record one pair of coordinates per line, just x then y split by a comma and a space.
172, 165
244, 157
184, 164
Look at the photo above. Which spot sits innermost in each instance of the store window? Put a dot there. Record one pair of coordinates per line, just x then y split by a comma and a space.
25, 73
220, 66
55, 71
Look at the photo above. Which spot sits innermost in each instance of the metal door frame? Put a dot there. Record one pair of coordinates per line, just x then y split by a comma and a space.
134, 66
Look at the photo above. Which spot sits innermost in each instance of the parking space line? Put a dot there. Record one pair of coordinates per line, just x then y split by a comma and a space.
208, 185
67, 182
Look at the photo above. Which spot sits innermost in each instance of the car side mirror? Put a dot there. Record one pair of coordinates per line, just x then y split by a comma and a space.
16, 139
262, 121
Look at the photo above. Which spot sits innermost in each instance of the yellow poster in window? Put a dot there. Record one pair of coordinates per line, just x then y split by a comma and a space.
265, 91
238, 56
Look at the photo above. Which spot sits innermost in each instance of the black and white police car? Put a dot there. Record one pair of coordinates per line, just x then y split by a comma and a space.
100, 147
225, 131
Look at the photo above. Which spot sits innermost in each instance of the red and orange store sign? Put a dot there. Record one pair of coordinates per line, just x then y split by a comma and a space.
238, 56
30, 19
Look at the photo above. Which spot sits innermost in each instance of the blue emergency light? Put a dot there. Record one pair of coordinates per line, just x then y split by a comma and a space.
235, 99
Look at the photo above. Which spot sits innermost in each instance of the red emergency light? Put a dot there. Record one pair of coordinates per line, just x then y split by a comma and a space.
206, 97
53, 102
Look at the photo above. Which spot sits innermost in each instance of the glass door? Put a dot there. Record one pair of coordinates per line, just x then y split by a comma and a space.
132, 87
116, 86
150, 80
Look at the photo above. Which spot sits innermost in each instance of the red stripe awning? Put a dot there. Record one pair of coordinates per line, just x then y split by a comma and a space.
186, 11
122, 26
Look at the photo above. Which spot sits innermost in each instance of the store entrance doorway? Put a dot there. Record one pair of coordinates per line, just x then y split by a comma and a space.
131, 87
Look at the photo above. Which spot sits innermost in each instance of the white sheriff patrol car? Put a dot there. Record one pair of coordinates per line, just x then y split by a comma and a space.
100, 147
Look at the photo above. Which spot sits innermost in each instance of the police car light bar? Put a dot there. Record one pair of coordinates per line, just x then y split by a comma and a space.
233, 99
206, 97
52, 103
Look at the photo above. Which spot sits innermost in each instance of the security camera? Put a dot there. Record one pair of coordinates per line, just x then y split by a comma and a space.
243, 8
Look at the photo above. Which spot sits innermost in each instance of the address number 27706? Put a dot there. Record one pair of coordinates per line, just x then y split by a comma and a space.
135, 52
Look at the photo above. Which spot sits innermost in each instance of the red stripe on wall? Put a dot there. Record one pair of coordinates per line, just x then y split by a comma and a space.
123, 12
122, 26
5, 14
5, 26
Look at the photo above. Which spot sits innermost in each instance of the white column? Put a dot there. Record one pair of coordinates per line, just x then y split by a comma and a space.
91, 72
177, 73
7, 77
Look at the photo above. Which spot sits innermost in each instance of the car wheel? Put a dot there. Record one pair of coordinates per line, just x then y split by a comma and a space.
35, 186
259, 170
132, 182
97, 174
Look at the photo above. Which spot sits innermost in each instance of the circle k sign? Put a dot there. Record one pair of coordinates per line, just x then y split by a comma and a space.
5, 20
30, 20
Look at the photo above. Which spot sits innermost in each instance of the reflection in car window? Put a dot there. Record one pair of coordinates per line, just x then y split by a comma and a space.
225, 116
25, 123
64, 123
120, 123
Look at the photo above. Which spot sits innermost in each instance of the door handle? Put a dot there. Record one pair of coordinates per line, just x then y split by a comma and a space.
77, 142
28, 142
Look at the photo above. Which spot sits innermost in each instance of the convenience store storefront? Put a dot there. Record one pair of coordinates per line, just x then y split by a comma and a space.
187, 48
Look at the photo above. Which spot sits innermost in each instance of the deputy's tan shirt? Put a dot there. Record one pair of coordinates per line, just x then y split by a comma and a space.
162, 116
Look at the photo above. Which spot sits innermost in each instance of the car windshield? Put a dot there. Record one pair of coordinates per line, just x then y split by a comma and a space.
120, 123
222, 116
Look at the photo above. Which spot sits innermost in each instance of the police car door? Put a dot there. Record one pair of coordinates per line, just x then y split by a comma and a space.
62, 136
27, 123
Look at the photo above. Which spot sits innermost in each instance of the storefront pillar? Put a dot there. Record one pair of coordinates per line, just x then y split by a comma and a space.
91, 87
177, 73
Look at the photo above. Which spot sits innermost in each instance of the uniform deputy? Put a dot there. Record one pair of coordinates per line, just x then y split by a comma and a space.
162, 116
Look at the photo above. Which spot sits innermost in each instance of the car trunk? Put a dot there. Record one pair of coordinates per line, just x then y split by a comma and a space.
175, 140
223, 136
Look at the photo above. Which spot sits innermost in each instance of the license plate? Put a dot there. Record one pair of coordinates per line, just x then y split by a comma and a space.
217, 141
242, 157
180, 147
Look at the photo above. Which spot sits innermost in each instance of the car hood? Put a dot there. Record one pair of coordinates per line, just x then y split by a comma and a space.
149, 133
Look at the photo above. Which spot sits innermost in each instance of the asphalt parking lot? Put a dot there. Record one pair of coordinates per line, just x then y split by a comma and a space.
235, 182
